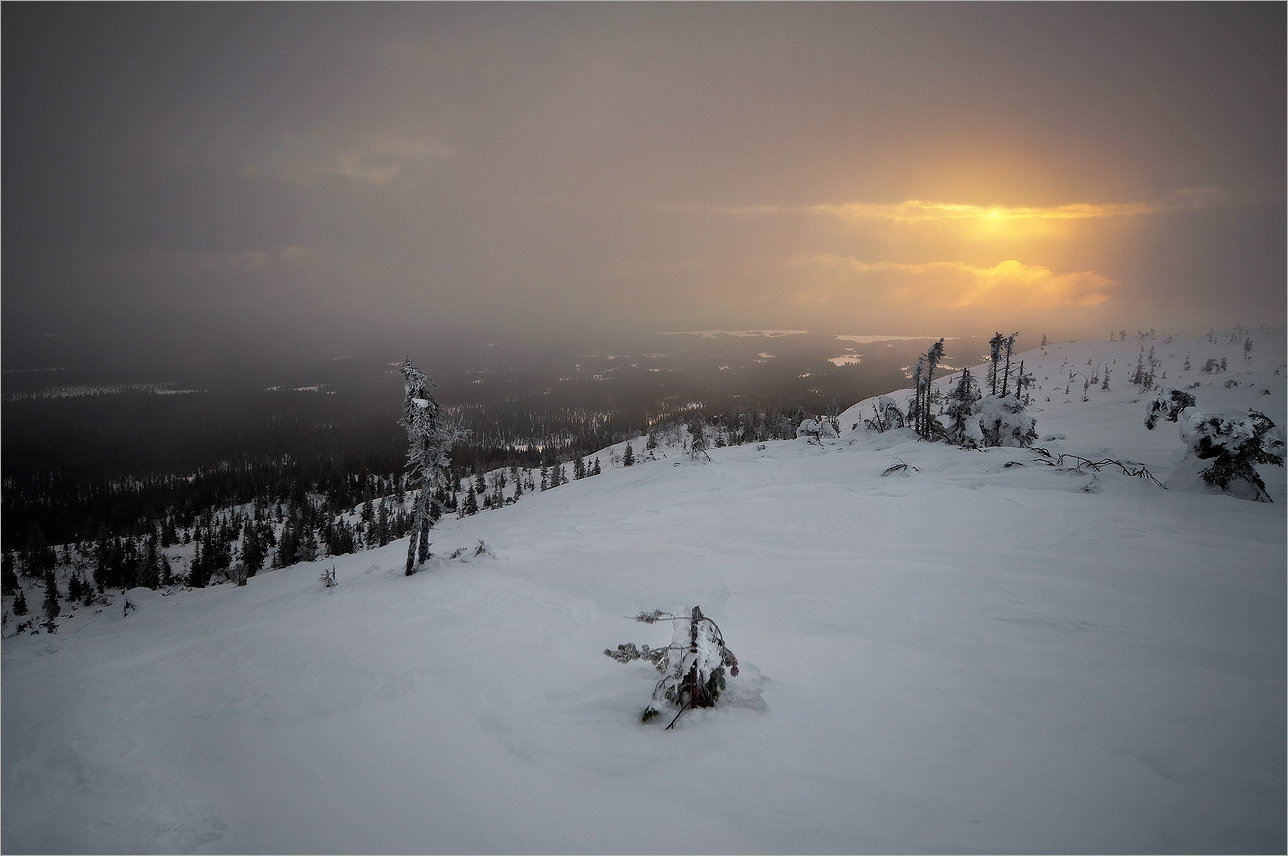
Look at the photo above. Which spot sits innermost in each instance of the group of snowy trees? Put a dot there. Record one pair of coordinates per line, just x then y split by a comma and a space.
484, 492
966, 415
924, 393
733, 427
1146, 373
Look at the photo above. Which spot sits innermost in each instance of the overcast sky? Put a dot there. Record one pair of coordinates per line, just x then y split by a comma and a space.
234, 177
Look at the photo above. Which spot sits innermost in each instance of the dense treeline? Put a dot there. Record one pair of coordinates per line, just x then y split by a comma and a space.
235, 521
126, 461
67, 509
51, 507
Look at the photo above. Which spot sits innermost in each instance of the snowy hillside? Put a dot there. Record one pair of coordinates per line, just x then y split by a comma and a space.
982, 651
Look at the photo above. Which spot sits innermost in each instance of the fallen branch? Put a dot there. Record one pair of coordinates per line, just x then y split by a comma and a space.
894, 468
1141, 472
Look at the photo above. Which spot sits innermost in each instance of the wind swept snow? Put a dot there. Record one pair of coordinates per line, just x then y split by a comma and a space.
979, 652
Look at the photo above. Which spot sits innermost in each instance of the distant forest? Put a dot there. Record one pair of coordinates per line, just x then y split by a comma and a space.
128, 463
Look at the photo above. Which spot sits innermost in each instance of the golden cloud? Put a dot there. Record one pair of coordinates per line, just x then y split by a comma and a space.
952, 285
921, 211
917, 211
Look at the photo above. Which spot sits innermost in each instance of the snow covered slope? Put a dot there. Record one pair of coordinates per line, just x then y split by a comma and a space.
984, 653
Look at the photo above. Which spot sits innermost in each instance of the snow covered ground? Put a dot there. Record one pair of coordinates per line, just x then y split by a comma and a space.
984, 653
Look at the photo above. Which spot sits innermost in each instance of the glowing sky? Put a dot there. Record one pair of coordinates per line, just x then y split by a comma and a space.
255, 175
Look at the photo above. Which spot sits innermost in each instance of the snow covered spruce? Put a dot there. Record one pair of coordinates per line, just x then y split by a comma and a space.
430, 437
692, 666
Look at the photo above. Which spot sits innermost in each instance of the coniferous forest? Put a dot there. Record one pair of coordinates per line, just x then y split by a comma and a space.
268, 475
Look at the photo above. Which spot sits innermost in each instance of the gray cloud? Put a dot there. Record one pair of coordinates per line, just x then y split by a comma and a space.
260, 175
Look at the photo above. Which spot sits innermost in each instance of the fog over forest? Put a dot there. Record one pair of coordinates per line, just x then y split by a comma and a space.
86, 426
264, 183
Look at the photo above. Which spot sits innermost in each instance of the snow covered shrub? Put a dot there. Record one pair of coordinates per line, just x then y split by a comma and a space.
1168, 405
808, 430
1005, 422
814, 430
692, 666
1234, 444
886, 416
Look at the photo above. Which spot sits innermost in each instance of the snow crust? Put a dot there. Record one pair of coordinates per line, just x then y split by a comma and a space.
989, 653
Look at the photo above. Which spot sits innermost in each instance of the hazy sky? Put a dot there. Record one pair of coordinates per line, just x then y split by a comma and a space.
249, 175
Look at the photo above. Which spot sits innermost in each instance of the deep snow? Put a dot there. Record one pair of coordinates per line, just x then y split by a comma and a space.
968, 656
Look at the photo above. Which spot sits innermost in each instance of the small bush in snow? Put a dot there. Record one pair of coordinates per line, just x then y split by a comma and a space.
886, 416
1234, 444
1168, 405
692, 666
328, 578
1005, 422
814, 430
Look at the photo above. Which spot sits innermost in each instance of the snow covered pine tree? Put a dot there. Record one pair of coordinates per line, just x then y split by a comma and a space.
692, 666
429, 438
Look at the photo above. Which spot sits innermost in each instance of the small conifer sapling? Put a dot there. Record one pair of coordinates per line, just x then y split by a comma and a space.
693, 666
